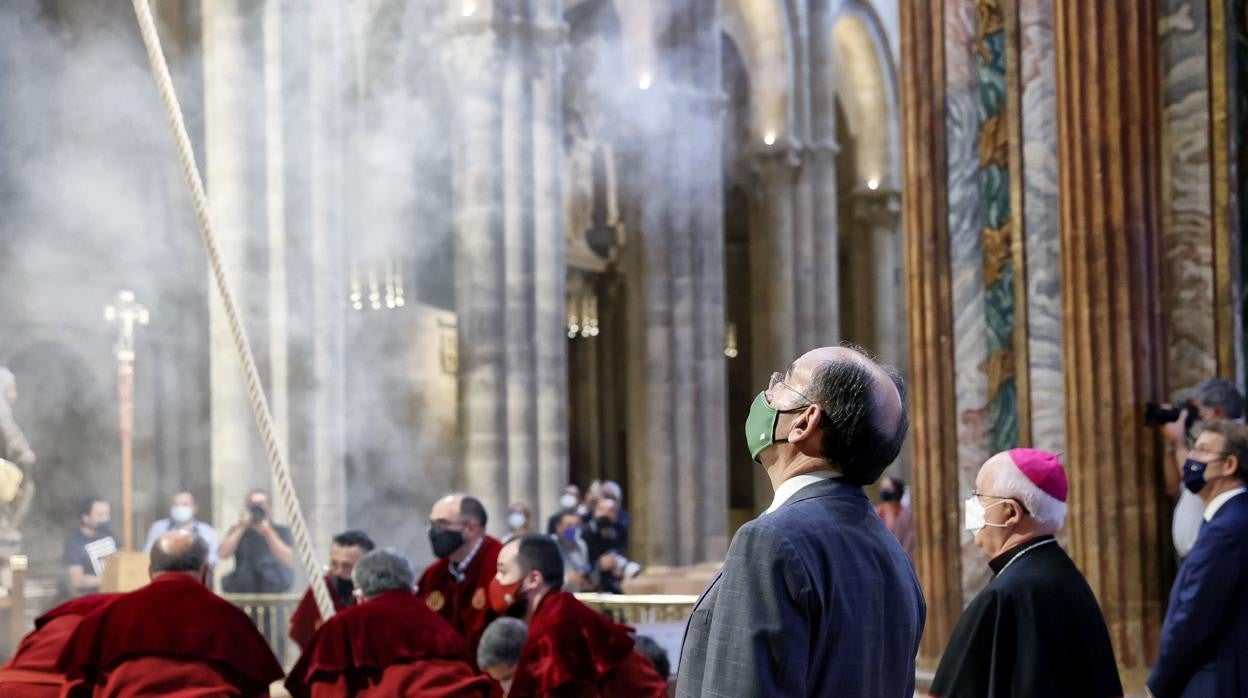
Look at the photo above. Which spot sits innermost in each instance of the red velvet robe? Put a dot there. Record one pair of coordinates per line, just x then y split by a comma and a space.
173, 638
307, 617
389, 647
463, 604
573, 650
31, 673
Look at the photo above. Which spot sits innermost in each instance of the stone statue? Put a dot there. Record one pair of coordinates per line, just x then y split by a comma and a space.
15, 449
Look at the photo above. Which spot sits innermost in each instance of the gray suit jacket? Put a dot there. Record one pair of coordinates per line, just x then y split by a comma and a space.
815, 599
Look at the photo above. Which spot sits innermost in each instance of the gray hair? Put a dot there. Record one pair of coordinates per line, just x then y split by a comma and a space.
382, 570
501, 643
7, 378
1220, 392
1045, 509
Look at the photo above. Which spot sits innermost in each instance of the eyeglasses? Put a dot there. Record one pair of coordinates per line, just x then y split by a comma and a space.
975, 493
777, 378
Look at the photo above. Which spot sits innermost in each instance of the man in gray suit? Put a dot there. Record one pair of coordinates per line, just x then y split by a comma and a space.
816, 597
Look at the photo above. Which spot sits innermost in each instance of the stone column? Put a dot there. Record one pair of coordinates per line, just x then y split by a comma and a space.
518, 263
549, 260
928, 296
772, 252
1109, 158
234, 179
821, 161
474, 59
878, 212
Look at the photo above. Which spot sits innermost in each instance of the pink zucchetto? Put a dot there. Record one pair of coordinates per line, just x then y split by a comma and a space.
1044, 469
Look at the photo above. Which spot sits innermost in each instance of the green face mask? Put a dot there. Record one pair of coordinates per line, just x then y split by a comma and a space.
760, 426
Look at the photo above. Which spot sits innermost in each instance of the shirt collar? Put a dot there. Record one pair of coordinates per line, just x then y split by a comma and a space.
457, 569
790, 487
1221, 499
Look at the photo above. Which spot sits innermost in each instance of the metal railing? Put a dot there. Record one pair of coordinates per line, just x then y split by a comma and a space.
271, 612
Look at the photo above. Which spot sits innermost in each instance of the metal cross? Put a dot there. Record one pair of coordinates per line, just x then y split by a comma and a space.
126, 312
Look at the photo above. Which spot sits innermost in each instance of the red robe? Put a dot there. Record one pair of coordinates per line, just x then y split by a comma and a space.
573, 650
388, 647
31, 673
465, 604
307, 617
172, 638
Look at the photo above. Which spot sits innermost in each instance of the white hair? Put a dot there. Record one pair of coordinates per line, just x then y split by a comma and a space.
6, 378
1044, 508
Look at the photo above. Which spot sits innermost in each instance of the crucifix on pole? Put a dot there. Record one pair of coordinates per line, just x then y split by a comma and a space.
126, 312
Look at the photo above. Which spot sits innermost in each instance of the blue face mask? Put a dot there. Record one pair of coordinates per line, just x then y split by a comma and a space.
1194, 474
569, 533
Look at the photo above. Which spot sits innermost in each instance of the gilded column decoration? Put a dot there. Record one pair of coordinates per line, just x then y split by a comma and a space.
997, 238
1111, 354
929, 299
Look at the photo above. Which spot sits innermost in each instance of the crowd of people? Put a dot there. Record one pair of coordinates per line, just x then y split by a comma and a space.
817, 596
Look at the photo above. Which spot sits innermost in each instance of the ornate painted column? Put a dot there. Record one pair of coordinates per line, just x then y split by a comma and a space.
929, 299
1109, 160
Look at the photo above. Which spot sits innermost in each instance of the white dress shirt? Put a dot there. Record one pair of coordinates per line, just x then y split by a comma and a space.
790, 487
1221, 499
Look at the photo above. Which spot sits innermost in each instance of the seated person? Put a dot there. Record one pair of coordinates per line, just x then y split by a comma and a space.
31, 673
499, 651
345, 551
389, 645
182, 515
171, 637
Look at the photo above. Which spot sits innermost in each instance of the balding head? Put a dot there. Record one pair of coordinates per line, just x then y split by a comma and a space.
863, 406
180, 552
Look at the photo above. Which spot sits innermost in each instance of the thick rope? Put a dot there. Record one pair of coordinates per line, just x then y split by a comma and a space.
259, 404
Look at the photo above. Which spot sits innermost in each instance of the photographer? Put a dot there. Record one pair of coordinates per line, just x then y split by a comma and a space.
261, 550
1213, 399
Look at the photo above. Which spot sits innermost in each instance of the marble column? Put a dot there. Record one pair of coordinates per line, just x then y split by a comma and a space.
821, 153
474, 57
929, 299
772, 254
1109, 160
233, 134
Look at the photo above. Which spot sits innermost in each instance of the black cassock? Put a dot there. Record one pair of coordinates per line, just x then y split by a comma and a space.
1036, 630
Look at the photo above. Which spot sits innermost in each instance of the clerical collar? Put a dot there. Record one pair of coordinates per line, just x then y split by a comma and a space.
458, 569
1000, 562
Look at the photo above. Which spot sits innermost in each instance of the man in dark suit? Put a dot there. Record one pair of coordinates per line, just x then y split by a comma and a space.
1204, 641
816, 597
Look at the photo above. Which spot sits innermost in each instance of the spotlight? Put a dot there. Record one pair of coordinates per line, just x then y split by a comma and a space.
770, 138
873, 184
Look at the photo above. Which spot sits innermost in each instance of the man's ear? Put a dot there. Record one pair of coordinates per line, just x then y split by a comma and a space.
205, 575
805, 427
1232, 466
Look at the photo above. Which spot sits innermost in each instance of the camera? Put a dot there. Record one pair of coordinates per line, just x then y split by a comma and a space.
257, 514
1155, 415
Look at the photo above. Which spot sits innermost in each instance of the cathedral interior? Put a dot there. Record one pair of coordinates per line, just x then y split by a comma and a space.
503, 245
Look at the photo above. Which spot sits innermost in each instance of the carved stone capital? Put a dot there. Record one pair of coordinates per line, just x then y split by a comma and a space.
875, 208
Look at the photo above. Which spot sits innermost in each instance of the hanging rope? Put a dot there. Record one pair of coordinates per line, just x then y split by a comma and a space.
259, 404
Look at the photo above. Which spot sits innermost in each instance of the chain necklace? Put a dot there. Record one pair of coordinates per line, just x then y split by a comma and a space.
1023, 552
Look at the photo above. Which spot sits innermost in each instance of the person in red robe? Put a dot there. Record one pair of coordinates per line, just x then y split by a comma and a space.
455, 586
346, 549
571, 649
173, 638
31, 673
389, 646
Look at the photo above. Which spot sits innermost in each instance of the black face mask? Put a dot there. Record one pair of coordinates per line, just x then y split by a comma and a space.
445, 542
604, 522
345, 589
888, 496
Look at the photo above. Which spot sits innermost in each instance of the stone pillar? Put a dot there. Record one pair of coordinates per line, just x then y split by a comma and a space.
933, 436
772, 253
550, 312
821, 161
234, 179
878, 212
518, 264
1109, 158
474, 59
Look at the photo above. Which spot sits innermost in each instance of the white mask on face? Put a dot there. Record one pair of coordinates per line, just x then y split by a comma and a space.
180, 514
515, 519
567, 501
975, 514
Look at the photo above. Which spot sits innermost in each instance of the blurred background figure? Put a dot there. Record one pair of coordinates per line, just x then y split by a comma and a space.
894, 510
15, 449
262, 550
576, 561
519, 520
499, 651
570, 499
87, 546
183, 515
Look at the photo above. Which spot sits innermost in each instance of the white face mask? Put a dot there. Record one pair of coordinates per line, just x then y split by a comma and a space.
180, 514
515, 519
975, 514
568, 501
